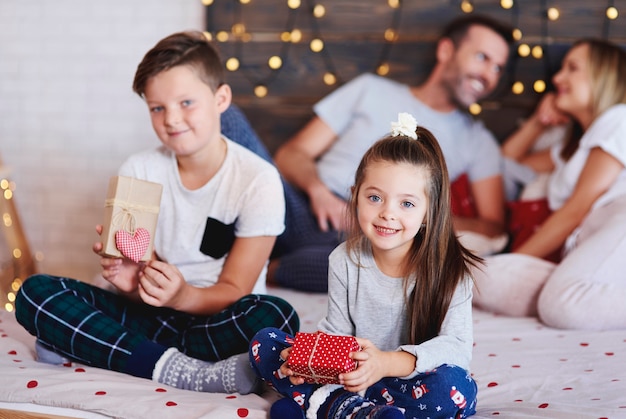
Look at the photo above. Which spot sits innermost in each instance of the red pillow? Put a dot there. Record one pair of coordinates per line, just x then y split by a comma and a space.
462, 201
524, 218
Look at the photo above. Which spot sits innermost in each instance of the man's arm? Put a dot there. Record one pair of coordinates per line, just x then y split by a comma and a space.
296, 161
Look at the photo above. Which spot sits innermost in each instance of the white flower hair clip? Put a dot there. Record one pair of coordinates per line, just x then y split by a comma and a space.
406, 126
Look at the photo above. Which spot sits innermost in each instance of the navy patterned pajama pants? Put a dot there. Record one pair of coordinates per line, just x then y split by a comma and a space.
445, 392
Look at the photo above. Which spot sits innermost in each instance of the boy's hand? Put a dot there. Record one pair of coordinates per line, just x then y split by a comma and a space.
162, 285
123, 274
371, 367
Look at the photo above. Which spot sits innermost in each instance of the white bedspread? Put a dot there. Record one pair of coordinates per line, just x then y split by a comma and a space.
523, 369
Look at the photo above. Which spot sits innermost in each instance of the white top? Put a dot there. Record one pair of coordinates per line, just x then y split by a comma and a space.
364, 302
244, 199
360, 113
608, 132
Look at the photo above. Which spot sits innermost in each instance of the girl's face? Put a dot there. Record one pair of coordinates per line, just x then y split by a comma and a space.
573, 84
185, 112
392, 205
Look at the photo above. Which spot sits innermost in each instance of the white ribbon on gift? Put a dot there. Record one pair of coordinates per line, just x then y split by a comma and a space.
316, 377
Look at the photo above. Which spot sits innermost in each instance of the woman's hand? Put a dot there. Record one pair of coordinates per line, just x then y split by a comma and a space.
547, 113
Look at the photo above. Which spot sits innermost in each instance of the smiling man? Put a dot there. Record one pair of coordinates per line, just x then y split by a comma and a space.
320, 160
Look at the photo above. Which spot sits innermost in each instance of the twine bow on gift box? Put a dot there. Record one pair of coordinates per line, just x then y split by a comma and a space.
313, 369
132, 242
316, 377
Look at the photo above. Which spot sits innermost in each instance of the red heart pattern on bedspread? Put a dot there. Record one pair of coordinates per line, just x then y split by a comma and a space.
133, 246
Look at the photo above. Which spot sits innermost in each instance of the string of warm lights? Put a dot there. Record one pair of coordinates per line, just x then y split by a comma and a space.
316, 11
21, 265
292, 35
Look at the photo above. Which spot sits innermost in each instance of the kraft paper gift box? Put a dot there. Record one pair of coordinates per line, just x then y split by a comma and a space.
131, 212
320, 357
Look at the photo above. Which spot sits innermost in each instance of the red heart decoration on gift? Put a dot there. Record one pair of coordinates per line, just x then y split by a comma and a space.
133, 246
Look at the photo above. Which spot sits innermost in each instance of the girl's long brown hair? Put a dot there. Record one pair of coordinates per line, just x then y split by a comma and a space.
437, 262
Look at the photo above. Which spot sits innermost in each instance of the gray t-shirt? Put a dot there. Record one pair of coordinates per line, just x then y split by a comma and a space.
361, 112
364, 302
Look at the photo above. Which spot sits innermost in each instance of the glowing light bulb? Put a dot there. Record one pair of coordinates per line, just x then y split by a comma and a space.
232, 64
293, 4
296, 36
222, 36
238, 29
517, 34
275, 62
518, 88
537, 52
260, 91
553, 13
330, 79
208, 35
316, 45
467, 6
383, 69
523, 50
539, 86
475, 109
319, 11
394, 4
612, 13
390, 35
207, 2
285, 36
506, 4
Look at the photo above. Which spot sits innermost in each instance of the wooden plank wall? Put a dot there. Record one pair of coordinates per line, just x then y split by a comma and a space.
353, 35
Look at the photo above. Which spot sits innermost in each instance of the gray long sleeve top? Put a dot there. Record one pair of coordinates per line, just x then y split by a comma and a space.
364, 302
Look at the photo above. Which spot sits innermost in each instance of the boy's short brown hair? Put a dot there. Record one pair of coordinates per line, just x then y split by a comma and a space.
190, 48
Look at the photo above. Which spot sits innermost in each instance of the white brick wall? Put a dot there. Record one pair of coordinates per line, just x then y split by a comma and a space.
68, 116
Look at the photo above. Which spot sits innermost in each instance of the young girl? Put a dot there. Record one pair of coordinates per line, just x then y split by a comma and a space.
401, 285
221, 210
587, 194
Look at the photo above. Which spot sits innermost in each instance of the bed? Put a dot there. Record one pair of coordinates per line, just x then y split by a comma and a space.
523, 370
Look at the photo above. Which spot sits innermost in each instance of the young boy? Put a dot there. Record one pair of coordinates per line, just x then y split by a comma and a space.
222, 208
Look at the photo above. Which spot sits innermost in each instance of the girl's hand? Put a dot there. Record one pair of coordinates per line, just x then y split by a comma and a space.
162, 285
371, 367
288, 372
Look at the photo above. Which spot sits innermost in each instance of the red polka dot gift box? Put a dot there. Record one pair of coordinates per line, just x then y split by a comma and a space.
320, 357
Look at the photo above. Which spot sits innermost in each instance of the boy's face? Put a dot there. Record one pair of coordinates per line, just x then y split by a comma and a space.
185, 112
